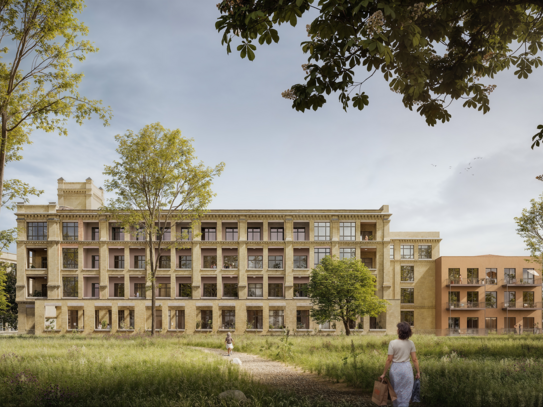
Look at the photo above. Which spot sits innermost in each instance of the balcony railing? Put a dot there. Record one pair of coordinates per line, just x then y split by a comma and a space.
466, 281
521, 305
533, 281
465, 305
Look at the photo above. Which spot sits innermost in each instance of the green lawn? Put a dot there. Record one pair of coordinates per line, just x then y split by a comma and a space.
138, 371
165, 371
462, 371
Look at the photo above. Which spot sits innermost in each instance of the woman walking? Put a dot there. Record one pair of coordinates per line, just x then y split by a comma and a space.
401, 373
229, 341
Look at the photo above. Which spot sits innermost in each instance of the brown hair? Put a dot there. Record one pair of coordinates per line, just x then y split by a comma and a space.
404, 330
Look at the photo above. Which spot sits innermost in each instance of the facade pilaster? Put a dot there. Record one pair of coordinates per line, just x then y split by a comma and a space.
219, 232
265, 230
196, 266
289, 225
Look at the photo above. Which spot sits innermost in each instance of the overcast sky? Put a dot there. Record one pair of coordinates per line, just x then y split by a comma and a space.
163, 61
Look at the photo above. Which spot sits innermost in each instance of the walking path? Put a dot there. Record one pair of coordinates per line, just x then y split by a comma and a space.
294, 379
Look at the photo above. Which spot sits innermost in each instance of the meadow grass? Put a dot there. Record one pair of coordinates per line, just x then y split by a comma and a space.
74, 370
466, 371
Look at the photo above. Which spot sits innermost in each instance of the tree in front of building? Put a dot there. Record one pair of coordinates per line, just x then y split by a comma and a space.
157, 181
530, 228
8, 306
431, 53
40, 40
343, 290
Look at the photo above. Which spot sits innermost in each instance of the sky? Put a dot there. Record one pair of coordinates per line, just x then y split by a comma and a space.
162, 61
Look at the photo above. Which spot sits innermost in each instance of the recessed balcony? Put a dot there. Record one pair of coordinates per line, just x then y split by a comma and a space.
521, 282
521, 306
465, 282
466, 306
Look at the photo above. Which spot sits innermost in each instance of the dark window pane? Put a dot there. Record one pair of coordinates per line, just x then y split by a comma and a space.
37, 231
70, 231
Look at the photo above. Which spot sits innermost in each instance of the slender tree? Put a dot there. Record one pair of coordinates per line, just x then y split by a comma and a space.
157, 183
343, 290
431, 52
8, 305
38, 88
530, 228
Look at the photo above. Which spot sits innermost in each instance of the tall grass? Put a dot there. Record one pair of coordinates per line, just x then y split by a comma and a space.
139, 371
467, 371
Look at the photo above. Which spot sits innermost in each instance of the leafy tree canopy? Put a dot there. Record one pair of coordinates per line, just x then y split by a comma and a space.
343, 290
530, 228
38, 86
430, 52
157, 182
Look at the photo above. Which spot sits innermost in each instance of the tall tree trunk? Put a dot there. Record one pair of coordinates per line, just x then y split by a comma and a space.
153, 283
346, 325
3, 152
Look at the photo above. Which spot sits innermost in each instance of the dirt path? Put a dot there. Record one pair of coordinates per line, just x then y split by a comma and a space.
294, 379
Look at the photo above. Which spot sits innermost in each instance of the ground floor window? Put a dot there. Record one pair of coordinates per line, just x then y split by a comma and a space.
491, 324
473, 323
528, 324
206, 319
228, 319
509, 324
125, 319
302, 319
454, 323
102, 319
408, 316
254, 319
277, 319
177, 319
73, 319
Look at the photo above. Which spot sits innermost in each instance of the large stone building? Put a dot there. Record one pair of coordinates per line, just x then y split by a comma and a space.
247, 270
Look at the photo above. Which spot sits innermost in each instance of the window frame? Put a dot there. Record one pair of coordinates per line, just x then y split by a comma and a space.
36, 231
403, 273
323, 227
319, 255
67, 229
67, 263
343, 250
407, 293
296, 262
407, 252
351, 228
233, 232
254, 232
184, 261
279, 232
277, 261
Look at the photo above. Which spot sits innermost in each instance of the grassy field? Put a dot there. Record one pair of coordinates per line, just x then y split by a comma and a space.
165, 371
121, 371
462, 371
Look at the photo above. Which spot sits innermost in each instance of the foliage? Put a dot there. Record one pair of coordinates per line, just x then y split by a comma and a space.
39, 88
127, 370
8, 306
530, 228
456, 371
157, 182
431, 52
343, 290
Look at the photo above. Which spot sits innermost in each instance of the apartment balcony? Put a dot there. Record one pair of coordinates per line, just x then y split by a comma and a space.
466, 282
466, 306
522, 306
521, 282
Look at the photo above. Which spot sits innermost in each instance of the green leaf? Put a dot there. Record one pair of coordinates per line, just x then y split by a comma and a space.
250, 53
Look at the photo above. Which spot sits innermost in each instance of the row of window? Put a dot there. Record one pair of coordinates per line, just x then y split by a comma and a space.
70, 260
407, 252
491, 276
70, 287
276, 320
70, 231
491, 324
491, 299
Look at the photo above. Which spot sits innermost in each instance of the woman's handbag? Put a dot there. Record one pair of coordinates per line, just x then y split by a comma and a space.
381, 391
415, 396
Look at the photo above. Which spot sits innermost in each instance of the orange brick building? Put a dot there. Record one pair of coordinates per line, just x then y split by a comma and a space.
489, 293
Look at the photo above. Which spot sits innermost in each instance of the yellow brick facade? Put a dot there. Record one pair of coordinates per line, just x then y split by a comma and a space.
41, 284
